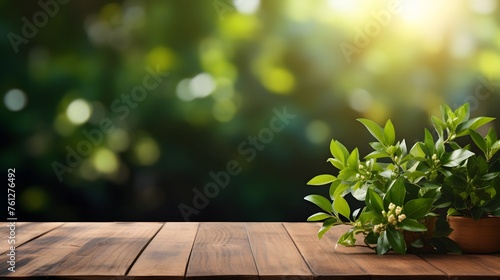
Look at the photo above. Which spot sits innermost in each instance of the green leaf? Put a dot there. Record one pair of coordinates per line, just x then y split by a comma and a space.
370, 217
456, 157
396, 193
439, 125
374, 129
452, 212
337, 163
320, 201
377, 154
411, 225
492, 135
359, 191
383, 244
463, 128
479, 140
353, 159
418, 208
389, 133
374, 201
396, 239
341, 206
321, 180
429, 143
347, 239
334, 187
338, 151
320, 216
340, 189
326, 226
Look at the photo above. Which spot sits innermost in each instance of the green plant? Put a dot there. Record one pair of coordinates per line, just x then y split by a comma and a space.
401, 189
474, 186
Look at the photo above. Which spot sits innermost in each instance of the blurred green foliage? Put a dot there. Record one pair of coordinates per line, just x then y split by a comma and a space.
66, 68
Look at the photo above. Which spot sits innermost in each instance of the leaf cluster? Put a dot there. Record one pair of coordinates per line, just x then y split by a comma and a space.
402, 188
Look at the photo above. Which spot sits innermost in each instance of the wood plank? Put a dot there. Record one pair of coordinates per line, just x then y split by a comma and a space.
167, 255
490, 261
84, 249
323, 259
388, 266
221, 250
460, 267
275, 253
26, 231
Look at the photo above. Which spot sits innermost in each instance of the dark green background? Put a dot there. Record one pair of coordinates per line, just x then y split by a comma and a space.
286, 54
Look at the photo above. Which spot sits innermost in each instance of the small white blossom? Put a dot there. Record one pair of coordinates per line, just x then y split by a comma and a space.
392, 219
398, 210
392, 206
361, 167
384, 213
401, 217
358, 175
378, 228
434, 157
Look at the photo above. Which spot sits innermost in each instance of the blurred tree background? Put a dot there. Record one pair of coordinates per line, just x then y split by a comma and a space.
120, 110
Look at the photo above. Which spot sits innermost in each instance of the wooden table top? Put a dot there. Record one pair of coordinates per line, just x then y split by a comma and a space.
140, 250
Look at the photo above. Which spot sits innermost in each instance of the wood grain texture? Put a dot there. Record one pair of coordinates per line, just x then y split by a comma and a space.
26, 231
461, 267
275, 253
321, 256
388, 266
167, 255
84, 249
490, 261
221, 250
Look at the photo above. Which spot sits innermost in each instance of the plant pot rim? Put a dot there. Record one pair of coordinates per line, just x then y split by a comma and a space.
468, 217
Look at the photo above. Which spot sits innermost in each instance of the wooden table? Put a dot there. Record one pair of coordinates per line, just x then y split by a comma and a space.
217, 250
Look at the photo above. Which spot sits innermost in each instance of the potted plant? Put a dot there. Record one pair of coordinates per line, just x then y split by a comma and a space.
473, 187
400, 189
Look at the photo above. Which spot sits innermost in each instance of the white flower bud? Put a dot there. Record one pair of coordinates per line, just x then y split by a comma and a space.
391, 219
401, 217
392, 206
398, 210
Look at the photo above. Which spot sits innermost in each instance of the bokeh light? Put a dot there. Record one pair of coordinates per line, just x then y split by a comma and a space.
218, 77
146, 151
105, 161
78, 111
15, 100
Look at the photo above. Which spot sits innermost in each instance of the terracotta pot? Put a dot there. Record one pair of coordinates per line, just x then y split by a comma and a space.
476, 237
430, 224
